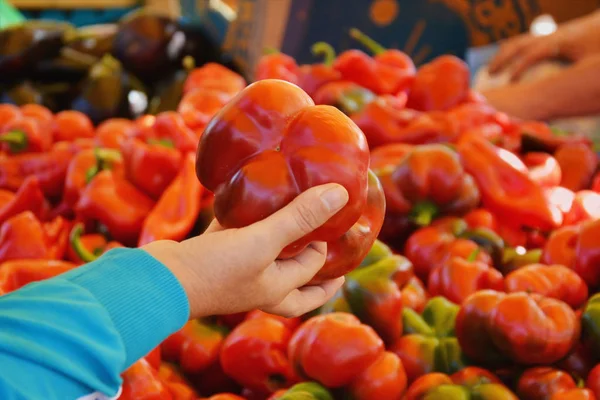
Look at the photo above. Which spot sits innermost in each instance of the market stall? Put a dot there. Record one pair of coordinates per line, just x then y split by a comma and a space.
470, 243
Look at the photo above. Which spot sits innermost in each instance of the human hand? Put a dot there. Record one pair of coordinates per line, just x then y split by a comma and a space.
572, 41
225, 271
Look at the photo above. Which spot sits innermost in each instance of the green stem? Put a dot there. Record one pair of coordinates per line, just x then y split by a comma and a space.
423, 213
487, 239
17, 141
270, 50
75, 239
326, 50
366, 41
355, 100
473, 256
162, 142
105, 158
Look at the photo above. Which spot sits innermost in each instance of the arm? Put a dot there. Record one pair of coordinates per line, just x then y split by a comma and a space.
570, 93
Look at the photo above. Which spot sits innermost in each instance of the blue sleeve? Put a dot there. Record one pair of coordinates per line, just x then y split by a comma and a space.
74, 334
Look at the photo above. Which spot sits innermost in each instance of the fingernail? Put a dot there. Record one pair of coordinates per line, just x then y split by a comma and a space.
335, 198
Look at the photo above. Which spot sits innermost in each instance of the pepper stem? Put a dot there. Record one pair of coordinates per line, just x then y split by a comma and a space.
473, 256
423, 213
366, 41
162, 142
270, 50
355, 100
104, 160
326, 50
75, 239
17, 141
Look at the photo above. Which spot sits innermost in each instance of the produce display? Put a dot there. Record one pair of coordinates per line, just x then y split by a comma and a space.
470, 243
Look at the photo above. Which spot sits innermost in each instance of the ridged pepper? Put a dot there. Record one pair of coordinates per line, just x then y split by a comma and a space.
151, 167
590, 320
177, 209
117, 204
29, 197
25, 135
25, 237
195, 347
214, 77
578, 162
543, 169
494, 328
440, 85
141, 382
429, 344
110, 133
86, 248
505, 189
593, 381
255, 355
272, 155
303, 391
458, 278
176, 383
429, 181
84, 166
470, 383
555, 281
334, 349
545, 383
70, 125
385, 379
388, 72
577, 247
15, 274
277, 65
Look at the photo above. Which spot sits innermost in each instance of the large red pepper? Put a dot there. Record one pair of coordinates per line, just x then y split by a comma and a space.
15, 274
578, 162
110, 133
546, 383
25, 237
213, 76
389, 72
577, 247
176, 211
50, 168
25, 135
255, 355
277, 65
151, 167
265, 151
29, 197
543, 169
168, 128
141, 382
85, 166
385, 379
116, 203
70, 125
505, 189
334, 349
494, 328
556, 281
440, 85
86, 248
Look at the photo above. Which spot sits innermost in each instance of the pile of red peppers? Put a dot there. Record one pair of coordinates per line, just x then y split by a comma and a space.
470, 243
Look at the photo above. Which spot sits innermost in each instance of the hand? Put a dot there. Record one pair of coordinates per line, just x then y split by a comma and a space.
572, 41
225, 271
519, 100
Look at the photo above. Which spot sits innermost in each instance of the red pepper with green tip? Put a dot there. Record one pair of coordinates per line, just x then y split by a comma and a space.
313, 76
169, 129
25, 135
29, 197
87, 248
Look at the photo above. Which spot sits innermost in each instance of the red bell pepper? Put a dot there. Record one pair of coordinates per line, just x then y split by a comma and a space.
556, 281
468, 116
141, 382
458, 278
70, 125
578, 162
25, 135
348, 96
274, 158
176, 211
255, 355
550, 383
277, 65
496, 328
86, 248
226, 396
213, 76
385, 379
596, 183
39, 113
593, 381
169, 129
290, 323
25, 237
313, 76
199, 106
505, 189
577, 247
115, 203
334, 349
111, 132
388, 157
389, 72
29, 197
585, 207
8, 113
440, 85
85, 166
543, 169
15, 274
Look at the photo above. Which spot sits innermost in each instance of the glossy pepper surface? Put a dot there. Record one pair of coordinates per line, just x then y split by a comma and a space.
215, 77
85, 248
142, 382
29, 197
304, 390
543, 169
494, 327
385, 379
429, 343
578, 163
277, 149
25, 135
591, 325
546, 383
15, 274
70, 125
593, 381
334, 349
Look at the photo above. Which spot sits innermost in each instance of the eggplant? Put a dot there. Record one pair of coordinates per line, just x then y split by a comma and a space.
168, 93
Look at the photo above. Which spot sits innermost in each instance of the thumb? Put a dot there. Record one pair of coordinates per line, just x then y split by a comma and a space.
303, 215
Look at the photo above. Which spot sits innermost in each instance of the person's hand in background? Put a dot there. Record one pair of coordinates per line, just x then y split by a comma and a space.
225, 271
572, 41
